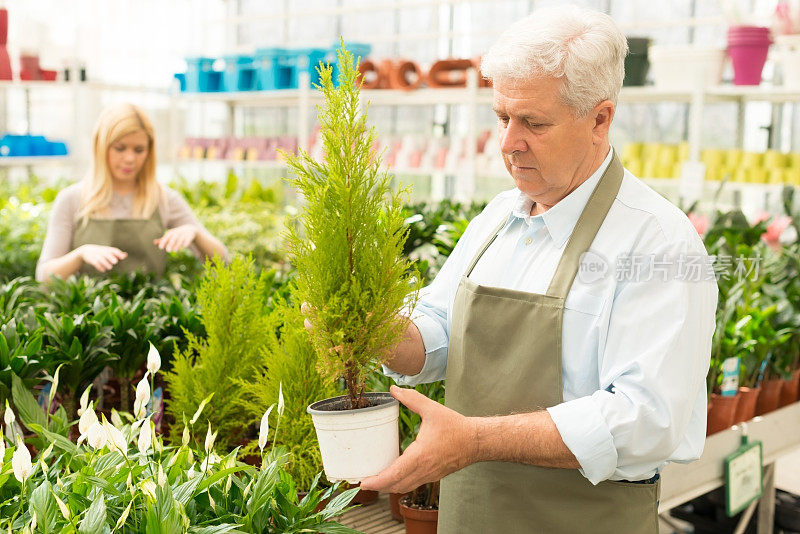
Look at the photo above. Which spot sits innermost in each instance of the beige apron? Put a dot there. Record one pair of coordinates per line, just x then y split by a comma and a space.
134, 236
504, 357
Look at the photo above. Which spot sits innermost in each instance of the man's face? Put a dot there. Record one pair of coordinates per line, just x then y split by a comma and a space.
546, 149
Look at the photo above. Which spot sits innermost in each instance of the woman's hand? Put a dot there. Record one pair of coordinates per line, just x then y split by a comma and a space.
177, 238
101, 257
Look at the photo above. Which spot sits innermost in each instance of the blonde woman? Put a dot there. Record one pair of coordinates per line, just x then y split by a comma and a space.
119, 218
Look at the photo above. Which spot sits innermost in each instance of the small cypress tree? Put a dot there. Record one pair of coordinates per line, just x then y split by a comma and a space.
348, 245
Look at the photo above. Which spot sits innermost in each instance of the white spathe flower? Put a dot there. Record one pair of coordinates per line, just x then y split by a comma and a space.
149, 489
281, 405
143, 389
145, 437
96, 436
191, 472
84, 402
211, 459
8, 416
115, 438
47, 452
139, 408
185, 436
264, 429
153, 360
88, 418
63, 507
2, 449
116, 420
210, 438
21, 461
162, 478
54, 385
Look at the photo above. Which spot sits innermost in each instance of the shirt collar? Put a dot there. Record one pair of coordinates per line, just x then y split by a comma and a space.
561, 218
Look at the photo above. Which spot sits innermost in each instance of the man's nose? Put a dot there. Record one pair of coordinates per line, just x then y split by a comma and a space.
511, 138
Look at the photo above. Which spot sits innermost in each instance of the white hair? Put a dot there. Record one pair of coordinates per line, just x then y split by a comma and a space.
580, 45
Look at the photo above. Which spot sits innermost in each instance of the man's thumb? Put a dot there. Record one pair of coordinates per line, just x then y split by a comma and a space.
410, 398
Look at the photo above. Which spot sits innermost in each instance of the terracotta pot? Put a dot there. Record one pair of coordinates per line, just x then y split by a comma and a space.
746, 409
722, 412
789, 390
419, 521
769, 397
394, 505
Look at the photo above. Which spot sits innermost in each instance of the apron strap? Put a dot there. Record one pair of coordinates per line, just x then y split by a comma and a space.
485, 246
592, 217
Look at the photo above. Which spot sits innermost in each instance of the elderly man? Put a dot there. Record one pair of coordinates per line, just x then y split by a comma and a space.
573, 339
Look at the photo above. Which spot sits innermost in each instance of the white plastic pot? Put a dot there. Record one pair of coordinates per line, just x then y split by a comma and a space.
686, 68
788, 57
356, 444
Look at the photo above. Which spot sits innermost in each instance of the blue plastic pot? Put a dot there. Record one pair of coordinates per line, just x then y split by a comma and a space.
307, 60
181, 77
273, 69
239, 74
200, 76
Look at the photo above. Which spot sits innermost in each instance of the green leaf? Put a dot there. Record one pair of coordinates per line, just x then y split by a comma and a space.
216, 529
28, 409
218, 476
95, 518
44, 506
60, 441
335, 528
339, 502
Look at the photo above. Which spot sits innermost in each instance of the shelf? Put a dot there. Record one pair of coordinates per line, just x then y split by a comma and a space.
100, 86
778, 432
17, 161
277, 164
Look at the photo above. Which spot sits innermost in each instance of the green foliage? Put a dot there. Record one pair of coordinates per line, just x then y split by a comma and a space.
288, 361
232, 302
19, 356
79, 345
348, 246
120, 488
22, 229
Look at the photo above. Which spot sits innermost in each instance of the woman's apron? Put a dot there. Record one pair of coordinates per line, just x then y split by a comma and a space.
134, 236
504, 357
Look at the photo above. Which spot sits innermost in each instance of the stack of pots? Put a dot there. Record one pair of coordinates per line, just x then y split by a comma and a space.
789, 58
748, 47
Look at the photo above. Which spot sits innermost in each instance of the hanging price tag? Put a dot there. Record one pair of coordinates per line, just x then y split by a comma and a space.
743, 477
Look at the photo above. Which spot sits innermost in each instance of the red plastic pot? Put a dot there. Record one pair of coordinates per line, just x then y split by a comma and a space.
789, 389
746, 409
721, 413
3, 27
419, 521
769, 397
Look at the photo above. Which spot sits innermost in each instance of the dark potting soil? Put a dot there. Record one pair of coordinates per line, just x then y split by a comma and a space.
341, 404
408, 501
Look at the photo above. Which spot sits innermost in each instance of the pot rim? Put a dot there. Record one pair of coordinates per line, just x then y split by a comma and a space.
386, 400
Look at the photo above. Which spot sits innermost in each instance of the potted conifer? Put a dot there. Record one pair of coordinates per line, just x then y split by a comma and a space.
347, 245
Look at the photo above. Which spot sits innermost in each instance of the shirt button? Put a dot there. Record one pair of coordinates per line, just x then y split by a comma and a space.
528, 240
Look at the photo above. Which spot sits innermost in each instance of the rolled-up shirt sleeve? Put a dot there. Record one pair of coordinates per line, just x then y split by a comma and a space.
653, 362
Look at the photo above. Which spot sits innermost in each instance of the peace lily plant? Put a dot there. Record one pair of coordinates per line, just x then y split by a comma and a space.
120, 477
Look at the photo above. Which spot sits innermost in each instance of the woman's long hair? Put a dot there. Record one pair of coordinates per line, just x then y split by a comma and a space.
114, 123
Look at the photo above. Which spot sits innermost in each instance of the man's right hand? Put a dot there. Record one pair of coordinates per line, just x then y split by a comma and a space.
101, 257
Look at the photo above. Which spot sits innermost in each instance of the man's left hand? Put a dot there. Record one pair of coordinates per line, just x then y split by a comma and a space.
446, 443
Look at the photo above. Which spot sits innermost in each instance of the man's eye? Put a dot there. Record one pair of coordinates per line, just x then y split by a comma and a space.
503, 120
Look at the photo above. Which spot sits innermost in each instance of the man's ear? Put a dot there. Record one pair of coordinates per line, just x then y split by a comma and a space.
603, 114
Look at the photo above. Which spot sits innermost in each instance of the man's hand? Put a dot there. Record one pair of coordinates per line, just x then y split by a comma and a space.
101, 257
445, 444
177, 238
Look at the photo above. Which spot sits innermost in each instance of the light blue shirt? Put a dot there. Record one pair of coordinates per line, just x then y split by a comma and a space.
638, 322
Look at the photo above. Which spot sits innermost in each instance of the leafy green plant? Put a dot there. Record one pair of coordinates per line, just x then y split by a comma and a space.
348, 246
19, 357
73, 295
289, 365
232, 304
121, 478
133, 327
78, 345
22, 229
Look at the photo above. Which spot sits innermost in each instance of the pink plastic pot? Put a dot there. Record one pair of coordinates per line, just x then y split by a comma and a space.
748, 56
